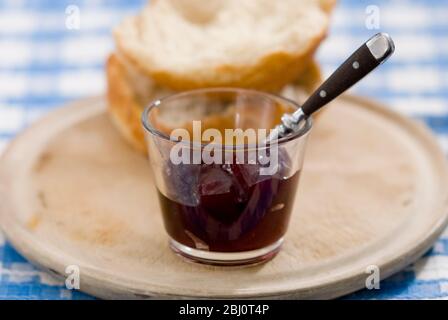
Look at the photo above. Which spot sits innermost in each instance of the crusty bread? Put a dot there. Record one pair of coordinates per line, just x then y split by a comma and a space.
261, 44
128, 93
130, 90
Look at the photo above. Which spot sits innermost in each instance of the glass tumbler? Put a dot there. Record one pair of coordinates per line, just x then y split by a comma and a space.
226, 195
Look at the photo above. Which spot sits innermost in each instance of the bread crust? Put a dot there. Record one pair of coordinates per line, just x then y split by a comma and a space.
125, 104
133, 80
327, 5
269, 72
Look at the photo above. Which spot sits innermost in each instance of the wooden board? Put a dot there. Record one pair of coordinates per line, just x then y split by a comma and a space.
374, 191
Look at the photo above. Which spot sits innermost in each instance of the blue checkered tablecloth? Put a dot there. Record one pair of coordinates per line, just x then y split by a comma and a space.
45, 62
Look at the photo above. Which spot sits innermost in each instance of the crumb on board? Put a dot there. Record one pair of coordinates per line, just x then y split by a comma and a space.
42, 199
34, 221
42, 162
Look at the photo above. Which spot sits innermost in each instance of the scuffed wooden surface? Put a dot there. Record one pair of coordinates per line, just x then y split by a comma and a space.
371, 192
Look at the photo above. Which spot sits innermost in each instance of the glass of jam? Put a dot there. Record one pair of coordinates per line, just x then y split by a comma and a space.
225, 194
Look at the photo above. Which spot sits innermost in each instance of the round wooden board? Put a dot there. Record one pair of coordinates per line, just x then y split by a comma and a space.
374, 191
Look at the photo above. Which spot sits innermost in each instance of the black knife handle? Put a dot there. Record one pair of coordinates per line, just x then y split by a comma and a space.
369, 56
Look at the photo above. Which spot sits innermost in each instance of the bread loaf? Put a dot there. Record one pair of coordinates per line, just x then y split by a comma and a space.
174, 45
260, 44
129, 92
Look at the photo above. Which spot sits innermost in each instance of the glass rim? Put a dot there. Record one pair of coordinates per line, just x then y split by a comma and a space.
158, 102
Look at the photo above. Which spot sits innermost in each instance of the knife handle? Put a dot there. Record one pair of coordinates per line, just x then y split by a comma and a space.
369, 56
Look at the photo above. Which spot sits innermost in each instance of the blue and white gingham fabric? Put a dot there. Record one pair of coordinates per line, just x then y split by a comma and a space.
46, 61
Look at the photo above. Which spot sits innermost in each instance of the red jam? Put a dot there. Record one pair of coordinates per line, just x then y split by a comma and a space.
227, 207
